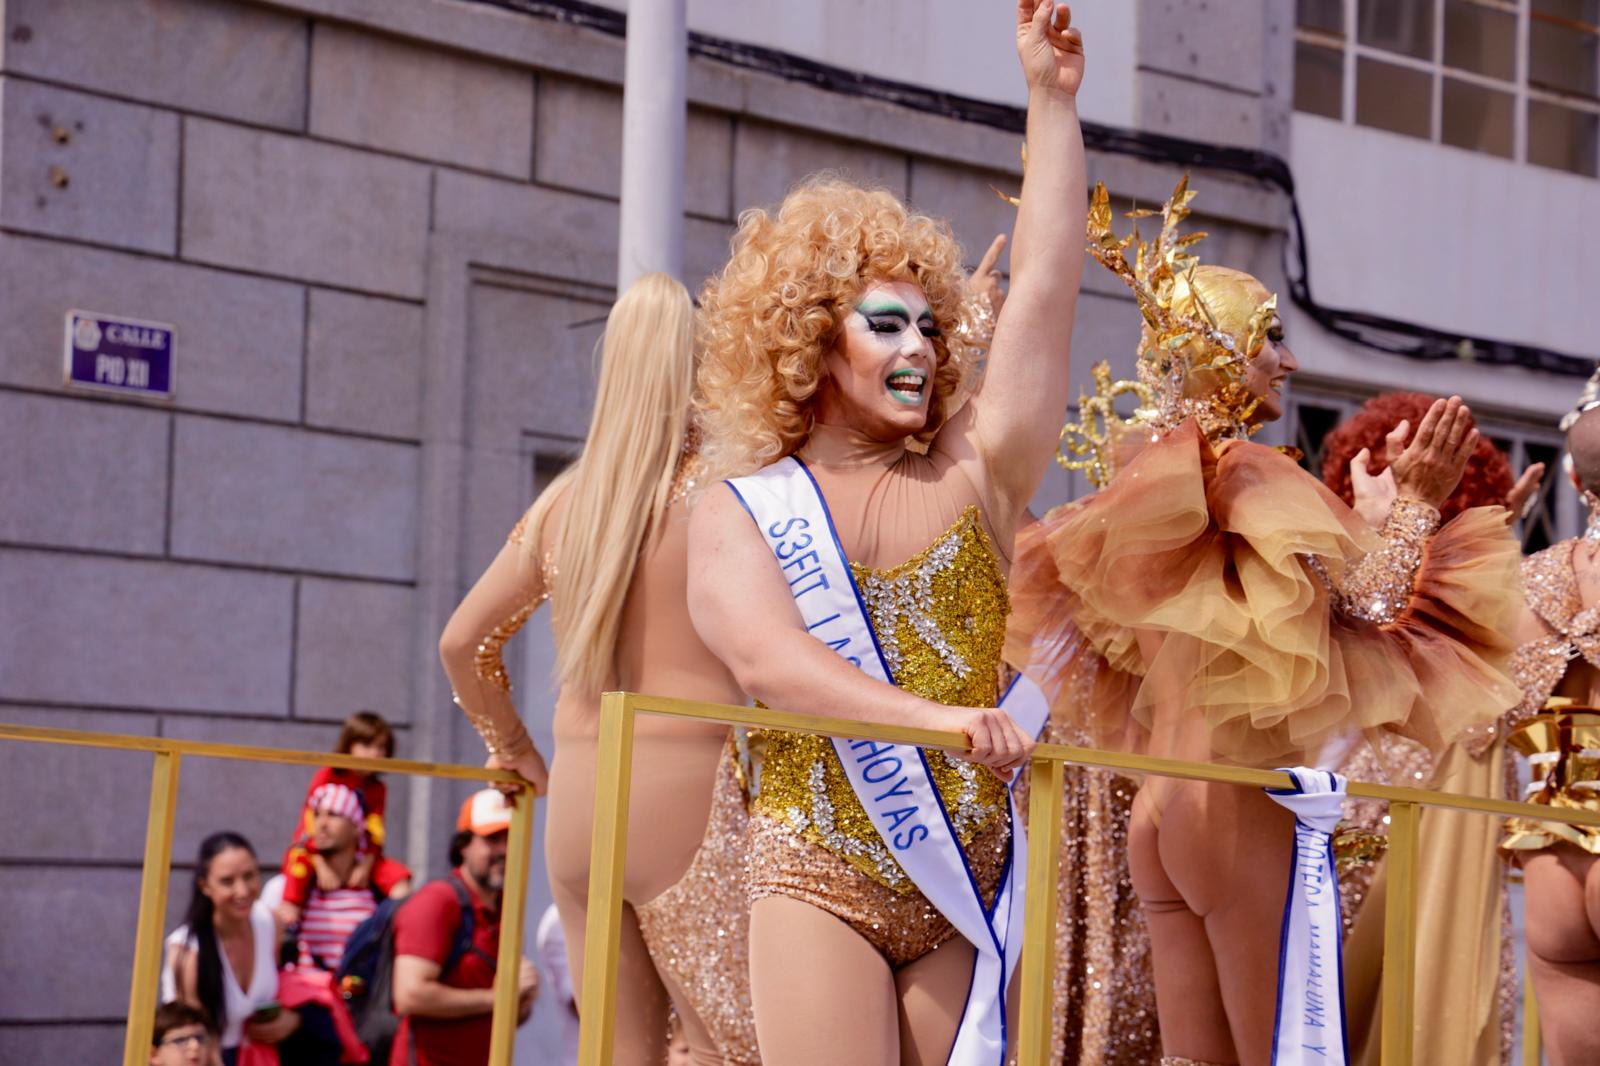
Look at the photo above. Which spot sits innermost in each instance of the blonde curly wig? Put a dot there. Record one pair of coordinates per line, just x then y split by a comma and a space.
776, 310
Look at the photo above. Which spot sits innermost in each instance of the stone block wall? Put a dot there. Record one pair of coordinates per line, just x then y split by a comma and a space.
386, 235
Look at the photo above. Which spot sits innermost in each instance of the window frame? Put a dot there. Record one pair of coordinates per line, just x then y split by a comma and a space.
1521, 91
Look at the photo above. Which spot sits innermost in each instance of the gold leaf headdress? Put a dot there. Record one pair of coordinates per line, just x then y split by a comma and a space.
1090, 443
1192, 365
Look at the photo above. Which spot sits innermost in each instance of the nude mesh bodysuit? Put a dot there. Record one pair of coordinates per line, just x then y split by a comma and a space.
687, 919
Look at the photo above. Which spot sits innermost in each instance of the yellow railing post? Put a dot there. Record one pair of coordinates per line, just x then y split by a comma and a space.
1036, 1023
603, 931
513, 914
146, 991
1532, 1038
1400, 934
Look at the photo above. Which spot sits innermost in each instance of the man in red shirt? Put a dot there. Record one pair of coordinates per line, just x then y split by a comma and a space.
447, 1013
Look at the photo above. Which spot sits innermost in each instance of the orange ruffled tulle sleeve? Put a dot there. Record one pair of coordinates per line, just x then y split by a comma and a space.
1187, 579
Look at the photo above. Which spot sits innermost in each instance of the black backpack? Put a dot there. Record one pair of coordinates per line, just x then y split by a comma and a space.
366, 970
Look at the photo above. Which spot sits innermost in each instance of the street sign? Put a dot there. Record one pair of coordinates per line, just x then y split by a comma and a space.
121, 355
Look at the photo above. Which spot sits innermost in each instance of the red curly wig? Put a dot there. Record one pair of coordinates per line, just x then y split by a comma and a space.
1487, 480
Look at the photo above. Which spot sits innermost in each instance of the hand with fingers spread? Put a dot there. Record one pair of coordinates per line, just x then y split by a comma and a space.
1431, 466
1050, 47
985, 280
996, 740
1523, 495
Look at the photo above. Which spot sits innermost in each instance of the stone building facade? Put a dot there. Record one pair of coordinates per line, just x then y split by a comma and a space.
385, 234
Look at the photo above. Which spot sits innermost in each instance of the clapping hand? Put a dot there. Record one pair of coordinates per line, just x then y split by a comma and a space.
1431, 466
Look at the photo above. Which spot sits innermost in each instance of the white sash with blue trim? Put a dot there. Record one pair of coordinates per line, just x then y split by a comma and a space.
1310, 1019
1027, 705
893, 781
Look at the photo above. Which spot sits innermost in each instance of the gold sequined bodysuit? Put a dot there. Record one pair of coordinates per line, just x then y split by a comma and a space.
1562, 745
940, 617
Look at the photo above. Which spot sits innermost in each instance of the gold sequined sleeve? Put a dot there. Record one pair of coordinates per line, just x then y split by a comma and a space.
495, 609
1378, 586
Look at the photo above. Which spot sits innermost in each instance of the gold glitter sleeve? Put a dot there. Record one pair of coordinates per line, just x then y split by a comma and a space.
472, 648
1378, 587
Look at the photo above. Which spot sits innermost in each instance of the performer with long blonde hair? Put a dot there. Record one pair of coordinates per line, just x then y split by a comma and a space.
843, 571
1215, 602
607, 545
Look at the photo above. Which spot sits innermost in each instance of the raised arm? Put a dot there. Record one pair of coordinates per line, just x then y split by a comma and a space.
745, 613
493, 611
1010, 425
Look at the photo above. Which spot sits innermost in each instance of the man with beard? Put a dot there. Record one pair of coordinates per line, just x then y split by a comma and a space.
447, 1003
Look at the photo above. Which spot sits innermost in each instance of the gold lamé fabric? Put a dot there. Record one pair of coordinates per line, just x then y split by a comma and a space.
1191, 575
698, 931
1563, 752
1562, 749
1466, 982
940, 618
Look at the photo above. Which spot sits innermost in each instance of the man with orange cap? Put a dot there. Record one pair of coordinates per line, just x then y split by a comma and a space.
446, 995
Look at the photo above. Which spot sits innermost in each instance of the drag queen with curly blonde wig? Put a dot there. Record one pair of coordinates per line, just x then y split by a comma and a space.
1215, 602
855, 566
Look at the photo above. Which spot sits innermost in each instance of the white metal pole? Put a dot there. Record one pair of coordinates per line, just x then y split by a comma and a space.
654, 119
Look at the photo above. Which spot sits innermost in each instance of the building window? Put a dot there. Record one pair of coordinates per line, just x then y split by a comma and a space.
1519, 79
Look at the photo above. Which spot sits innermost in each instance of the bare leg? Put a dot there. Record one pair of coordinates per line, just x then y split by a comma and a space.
1562, 901
1188, 995
642, 1006
822, 993
933, 993
1225, 851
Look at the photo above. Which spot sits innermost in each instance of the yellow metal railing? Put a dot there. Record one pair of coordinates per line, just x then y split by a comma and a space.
168, 752
619, 710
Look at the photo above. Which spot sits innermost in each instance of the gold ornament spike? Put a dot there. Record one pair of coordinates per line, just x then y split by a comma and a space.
1014, 201
1089, 444
1161, 273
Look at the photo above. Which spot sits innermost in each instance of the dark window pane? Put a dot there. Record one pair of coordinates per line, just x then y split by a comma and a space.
1404, 26
1480, 39
1313, 423
1318, 80
1572, 10
1539, 529
1562, 138
1324, 15
1476, 118
1394, 98
1563, 53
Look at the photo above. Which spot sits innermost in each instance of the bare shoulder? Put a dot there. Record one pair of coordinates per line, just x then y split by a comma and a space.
715, 509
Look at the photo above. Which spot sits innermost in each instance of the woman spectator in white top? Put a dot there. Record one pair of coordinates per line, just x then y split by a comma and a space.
224, 958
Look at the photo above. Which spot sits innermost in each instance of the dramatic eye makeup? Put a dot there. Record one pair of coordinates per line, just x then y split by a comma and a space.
1275, 332
891, 317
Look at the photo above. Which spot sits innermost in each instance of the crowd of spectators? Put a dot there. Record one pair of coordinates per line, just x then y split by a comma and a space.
333, 959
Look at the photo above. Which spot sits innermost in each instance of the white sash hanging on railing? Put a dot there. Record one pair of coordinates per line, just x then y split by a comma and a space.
1310, 1017
893, 781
